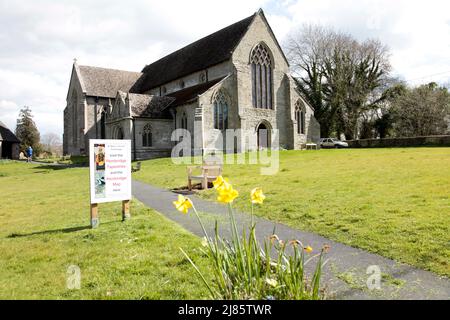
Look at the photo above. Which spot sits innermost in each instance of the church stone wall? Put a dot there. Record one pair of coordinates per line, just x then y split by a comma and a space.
251, 117
93, 115
74, 128
211, 135
282, 116
161, 138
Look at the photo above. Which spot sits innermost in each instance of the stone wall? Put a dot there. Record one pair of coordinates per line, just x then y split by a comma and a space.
212, 139
75, 119
284, 95
401, 142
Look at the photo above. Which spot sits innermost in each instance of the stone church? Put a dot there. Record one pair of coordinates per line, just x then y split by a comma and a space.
235, 78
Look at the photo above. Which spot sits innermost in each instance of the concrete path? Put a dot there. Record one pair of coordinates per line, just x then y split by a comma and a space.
345, 273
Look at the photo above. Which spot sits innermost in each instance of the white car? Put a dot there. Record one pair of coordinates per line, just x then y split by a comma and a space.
332, 143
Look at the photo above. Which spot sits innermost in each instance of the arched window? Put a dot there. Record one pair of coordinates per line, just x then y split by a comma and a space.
220, 112
261, 77
147, 136
300, 117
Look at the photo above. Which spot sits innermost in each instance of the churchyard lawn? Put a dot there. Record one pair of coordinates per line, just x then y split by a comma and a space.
45, 228
393, 202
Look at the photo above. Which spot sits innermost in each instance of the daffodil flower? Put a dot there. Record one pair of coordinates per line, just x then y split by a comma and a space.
183, 204
220, 184
308, 249
227, 195
257, 196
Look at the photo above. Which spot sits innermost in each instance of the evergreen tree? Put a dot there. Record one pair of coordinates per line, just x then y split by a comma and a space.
27, 131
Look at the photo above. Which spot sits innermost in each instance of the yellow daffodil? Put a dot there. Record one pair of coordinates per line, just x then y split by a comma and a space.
257, 196
271, 282
183, 204
308, 249
220, 184
227, 195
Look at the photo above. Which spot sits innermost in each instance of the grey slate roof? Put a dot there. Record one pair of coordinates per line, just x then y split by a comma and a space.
144, 105
6, 134
101, 82
191, 94
208, 51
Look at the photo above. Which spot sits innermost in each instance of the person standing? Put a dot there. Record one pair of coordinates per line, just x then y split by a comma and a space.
29, 154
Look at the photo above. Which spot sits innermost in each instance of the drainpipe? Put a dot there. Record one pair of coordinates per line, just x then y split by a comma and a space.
134, 138
95, 117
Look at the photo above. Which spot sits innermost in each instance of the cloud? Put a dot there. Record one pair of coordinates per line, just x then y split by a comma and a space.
40, 38
417, 32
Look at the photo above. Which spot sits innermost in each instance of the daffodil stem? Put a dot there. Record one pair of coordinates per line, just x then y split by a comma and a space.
251, 221
201, 223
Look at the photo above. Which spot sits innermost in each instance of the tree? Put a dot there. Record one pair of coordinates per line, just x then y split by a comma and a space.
384, 119
306, 51
338, 76
51, 142
27, 131
422, 111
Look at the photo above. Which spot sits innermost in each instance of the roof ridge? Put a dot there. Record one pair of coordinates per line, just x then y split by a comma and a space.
111, 69
199, 40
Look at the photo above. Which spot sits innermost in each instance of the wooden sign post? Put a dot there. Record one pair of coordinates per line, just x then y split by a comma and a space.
110, 175
94, 216
126, 215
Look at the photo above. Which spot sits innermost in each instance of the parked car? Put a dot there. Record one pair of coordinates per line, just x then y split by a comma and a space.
332, 143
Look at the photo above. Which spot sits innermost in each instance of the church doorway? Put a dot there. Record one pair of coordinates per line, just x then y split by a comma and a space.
263, 132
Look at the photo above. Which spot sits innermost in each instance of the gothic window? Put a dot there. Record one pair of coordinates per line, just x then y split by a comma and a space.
147, 136
261, 65
300, 117
220, 112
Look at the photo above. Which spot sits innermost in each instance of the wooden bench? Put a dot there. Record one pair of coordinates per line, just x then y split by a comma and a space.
208, 173
137, 168
311, 146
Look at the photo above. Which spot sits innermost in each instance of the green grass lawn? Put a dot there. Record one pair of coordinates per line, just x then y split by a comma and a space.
394, 202
45, 228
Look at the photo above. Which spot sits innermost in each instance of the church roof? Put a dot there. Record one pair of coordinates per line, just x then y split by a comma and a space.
102, 82
144, 105
6, 134
201, 54
191, 94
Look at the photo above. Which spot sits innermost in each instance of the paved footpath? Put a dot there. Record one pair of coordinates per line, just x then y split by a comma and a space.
345, 273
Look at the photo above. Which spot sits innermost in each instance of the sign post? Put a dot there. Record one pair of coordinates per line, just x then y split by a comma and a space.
110, 175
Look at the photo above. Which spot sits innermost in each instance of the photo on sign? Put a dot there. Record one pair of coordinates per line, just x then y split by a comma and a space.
100, 191
99, 151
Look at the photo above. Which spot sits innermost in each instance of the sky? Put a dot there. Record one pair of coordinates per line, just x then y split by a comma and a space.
40, 39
